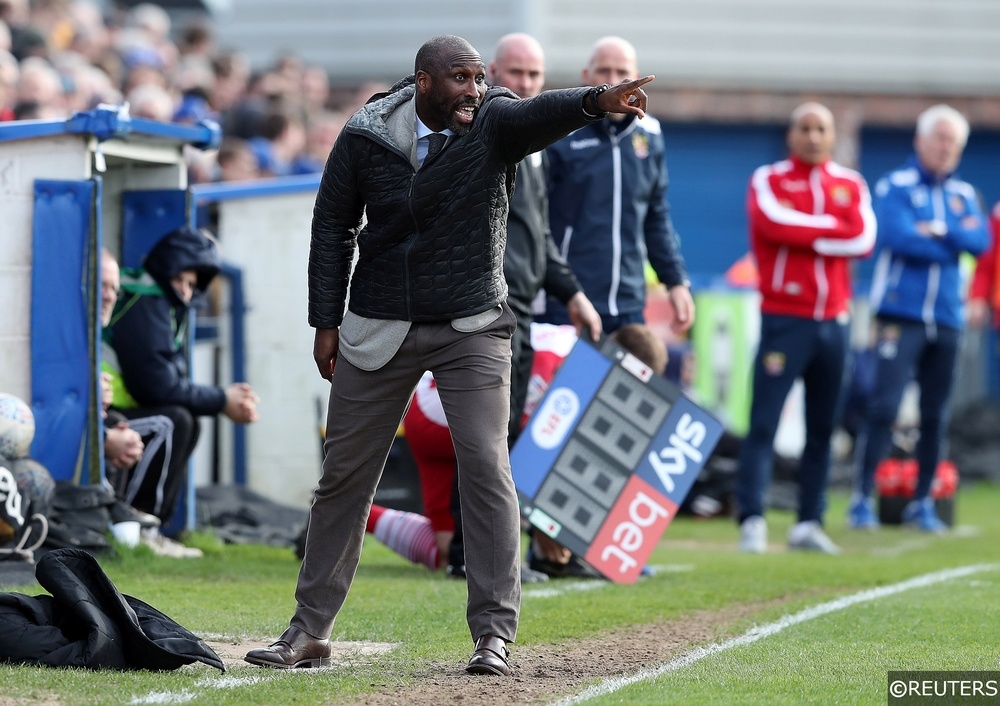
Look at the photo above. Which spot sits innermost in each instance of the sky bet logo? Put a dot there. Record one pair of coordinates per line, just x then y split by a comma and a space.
650, 499
685, 445
630, 533
679, 450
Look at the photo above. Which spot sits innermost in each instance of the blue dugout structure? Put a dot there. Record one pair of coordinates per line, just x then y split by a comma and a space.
99, 179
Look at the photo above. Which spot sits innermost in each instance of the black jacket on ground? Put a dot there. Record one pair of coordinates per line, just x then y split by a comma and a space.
87, 622
433, 245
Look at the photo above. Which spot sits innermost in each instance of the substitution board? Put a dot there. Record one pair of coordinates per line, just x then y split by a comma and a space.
608, 456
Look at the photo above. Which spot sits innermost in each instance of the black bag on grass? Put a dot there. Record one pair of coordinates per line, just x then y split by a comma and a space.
80, 517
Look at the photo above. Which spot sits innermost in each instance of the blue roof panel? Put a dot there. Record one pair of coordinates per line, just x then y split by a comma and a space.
114, 122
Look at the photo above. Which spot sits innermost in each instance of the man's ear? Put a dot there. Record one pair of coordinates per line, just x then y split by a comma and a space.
423, 80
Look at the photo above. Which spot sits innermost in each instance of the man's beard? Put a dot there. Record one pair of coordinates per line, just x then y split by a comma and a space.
446, 113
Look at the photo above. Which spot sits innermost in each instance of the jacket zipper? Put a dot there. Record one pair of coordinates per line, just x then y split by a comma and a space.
408, 247
616, 224
819, 207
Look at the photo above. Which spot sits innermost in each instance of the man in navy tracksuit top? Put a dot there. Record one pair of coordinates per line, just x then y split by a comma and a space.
927, 218
809, 217
608, 209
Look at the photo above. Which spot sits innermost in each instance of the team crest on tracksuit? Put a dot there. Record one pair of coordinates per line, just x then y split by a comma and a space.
640, 145
840, 195
774, 363
888, 342
957, 205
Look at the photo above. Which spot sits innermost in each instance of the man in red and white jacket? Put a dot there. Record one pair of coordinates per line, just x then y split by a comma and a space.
984, 297
809, 217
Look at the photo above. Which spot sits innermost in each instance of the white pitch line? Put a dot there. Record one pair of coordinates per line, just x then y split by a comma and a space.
563, 588
609, 686
165, 697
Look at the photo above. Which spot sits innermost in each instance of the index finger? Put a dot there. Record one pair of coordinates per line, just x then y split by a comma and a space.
639, 82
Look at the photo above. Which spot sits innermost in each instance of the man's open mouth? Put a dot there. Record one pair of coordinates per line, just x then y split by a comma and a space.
465, 113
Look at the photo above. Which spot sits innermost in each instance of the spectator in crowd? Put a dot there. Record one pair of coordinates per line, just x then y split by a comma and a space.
809, 217
91, 36
236, 161
52, 19
27, 42
14, 13
927, 219
40, 83
259, 96
10, 72
231, 72
142, 65
314, 93
147, 26
282, 138
321, 133
193, 80
148, 339
151, 101
436, 303
606, 224
287, 72
984, 297
361, 95
197, 39
85, 86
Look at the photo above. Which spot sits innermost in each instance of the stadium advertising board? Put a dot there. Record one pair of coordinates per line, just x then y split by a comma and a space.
608, 457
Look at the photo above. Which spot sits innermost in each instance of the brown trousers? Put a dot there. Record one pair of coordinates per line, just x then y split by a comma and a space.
472, 371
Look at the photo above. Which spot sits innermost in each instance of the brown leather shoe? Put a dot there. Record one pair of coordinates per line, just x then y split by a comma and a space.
490, 657
295, 649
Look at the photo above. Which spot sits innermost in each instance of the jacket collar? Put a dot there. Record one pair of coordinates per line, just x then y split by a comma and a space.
925, 176
802, 166
619, 127
379, 119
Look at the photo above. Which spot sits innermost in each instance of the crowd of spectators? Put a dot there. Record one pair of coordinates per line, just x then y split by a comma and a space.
58, 57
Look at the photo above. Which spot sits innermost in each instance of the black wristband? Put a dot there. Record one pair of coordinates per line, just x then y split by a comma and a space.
592, 97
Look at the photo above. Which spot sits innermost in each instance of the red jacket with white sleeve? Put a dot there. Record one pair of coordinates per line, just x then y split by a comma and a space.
986, 281
806, 224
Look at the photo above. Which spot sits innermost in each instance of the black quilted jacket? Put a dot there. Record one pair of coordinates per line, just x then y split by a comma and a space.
432, 247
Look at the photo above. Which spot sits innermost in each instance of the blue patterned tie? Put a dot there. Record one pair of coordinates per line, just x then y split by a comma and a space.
435, 141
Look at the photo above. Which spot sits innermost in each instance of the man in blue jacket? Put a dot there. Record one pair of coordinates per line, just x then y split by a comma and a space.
927, 218
608, 209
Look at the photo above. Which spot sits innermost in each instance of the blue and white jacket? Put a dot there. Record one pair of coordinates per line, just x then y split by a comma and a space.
608, 211
917, 275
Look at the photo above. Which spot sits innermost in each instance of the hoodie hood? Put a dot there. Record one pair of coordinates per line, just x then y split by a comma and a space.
184, 249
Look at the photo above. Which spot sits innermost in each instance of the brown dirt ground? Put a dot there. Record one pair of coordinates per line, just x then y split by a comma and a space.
542, 673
